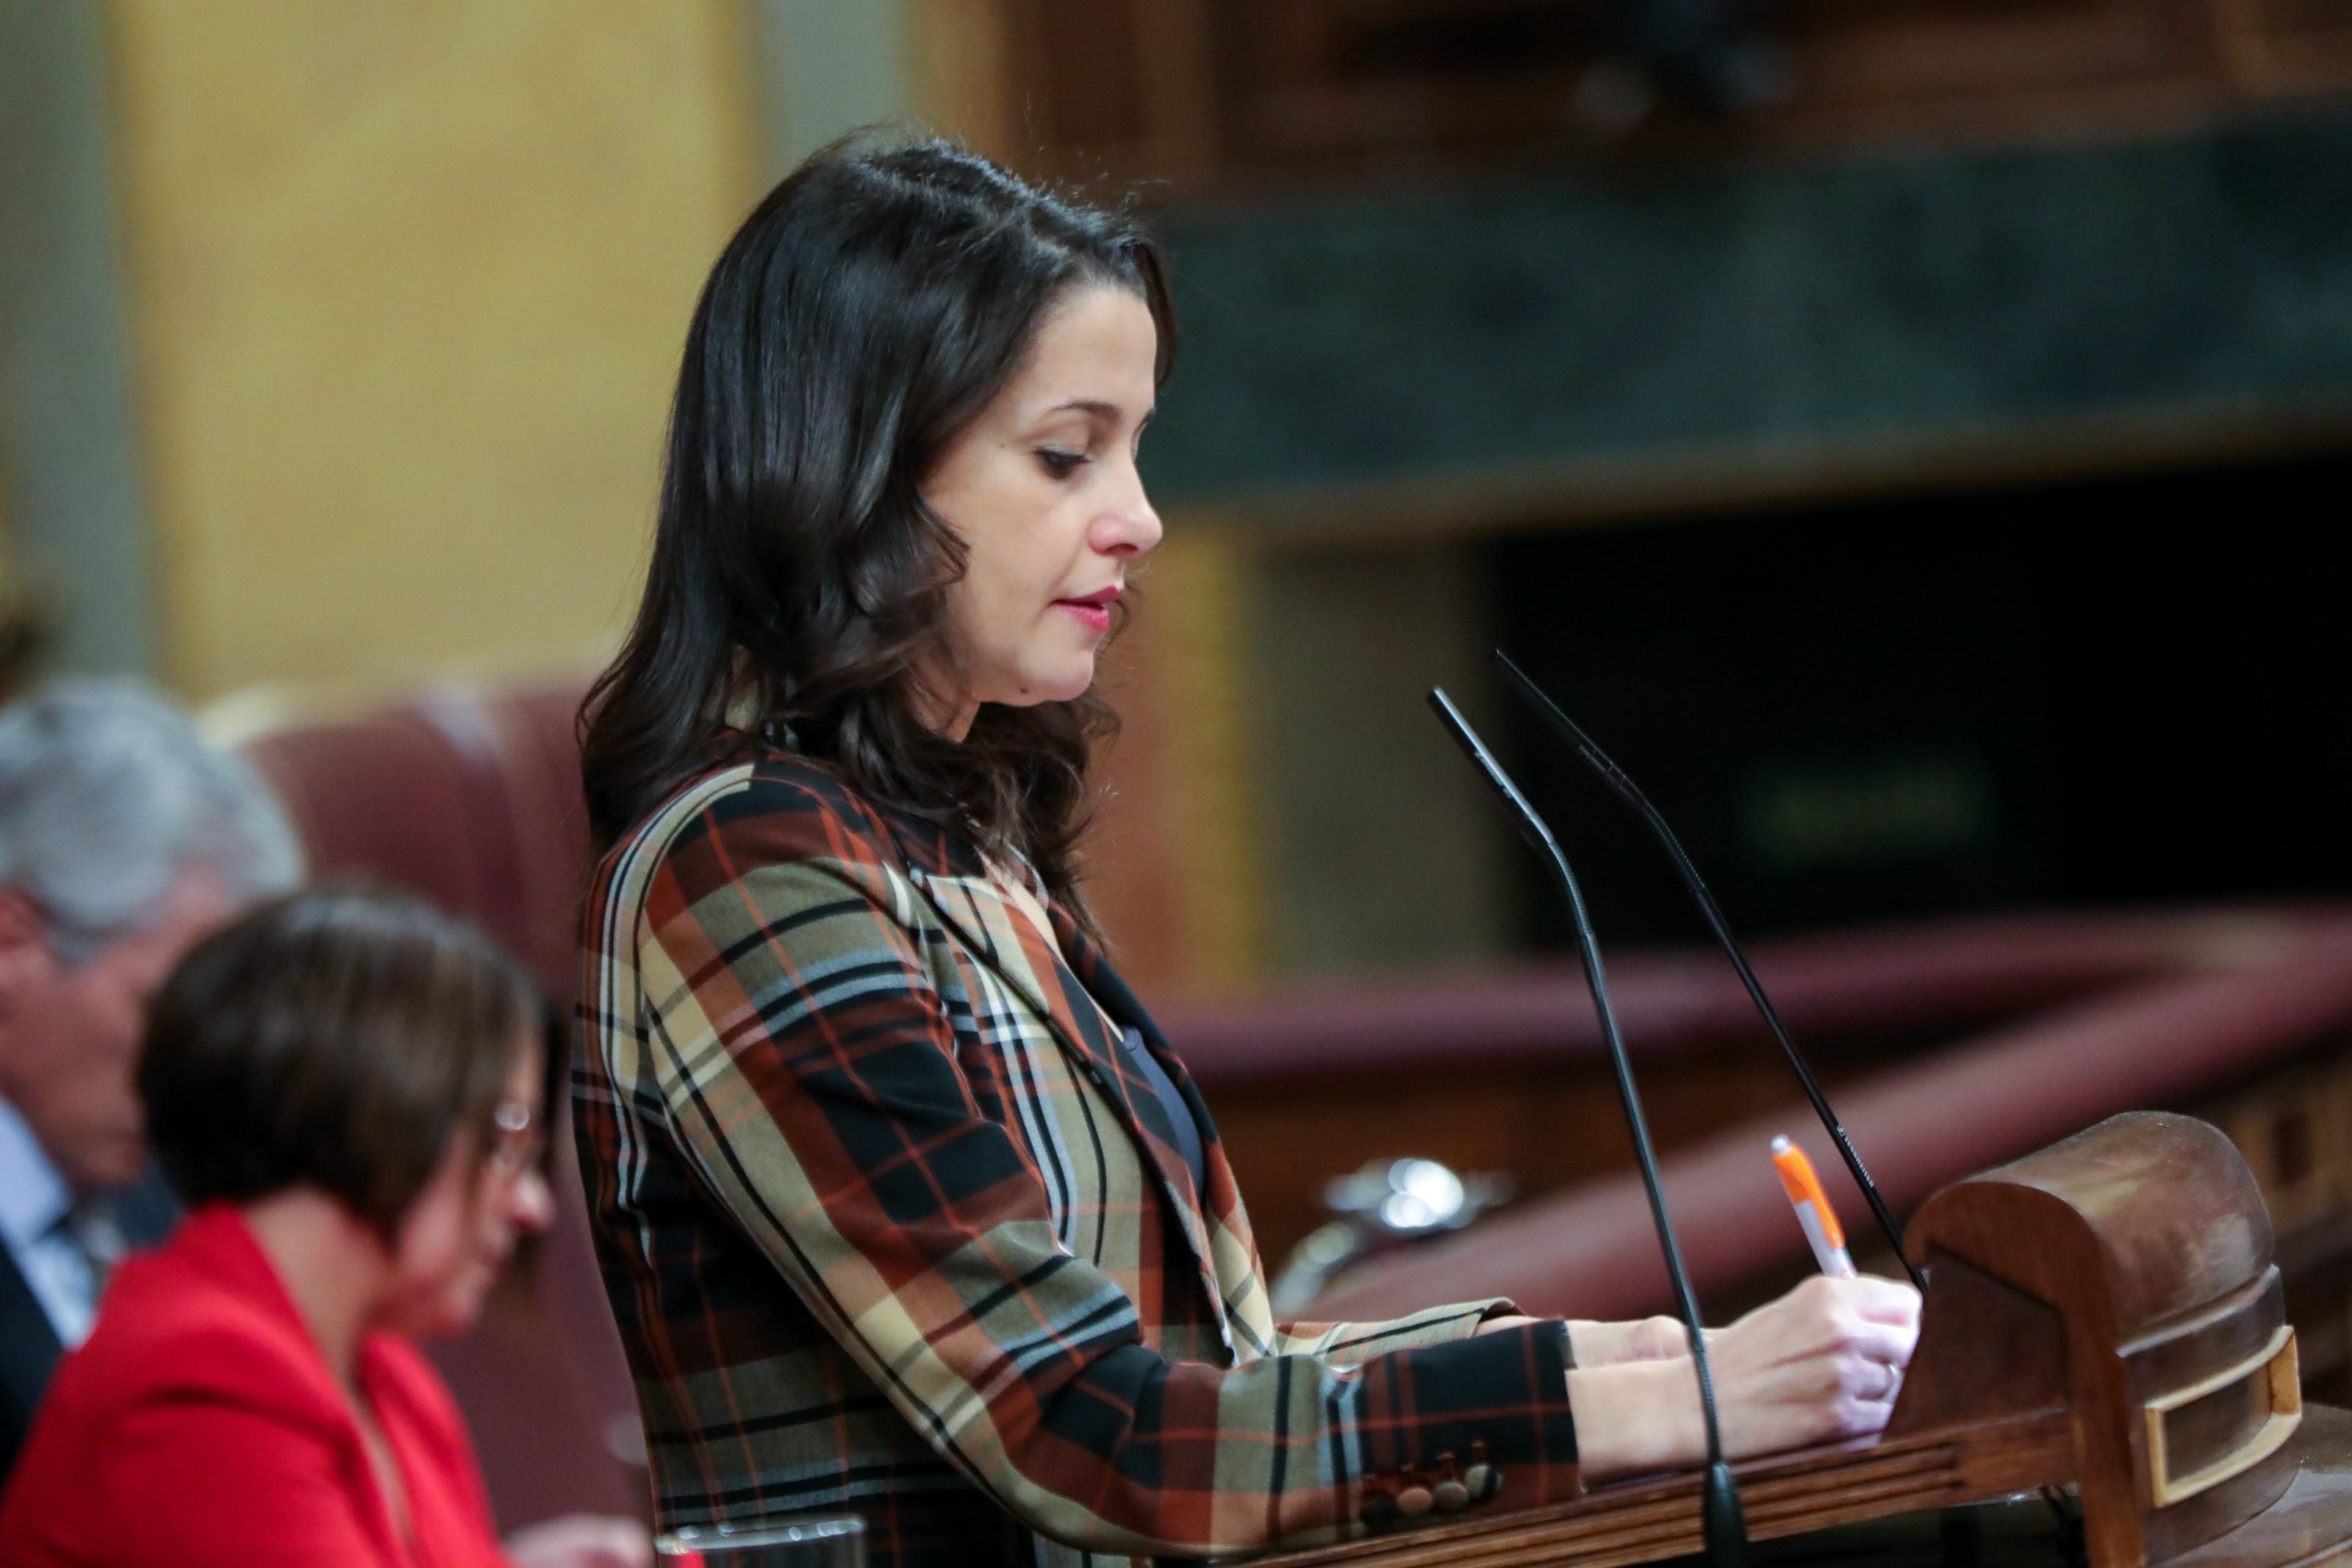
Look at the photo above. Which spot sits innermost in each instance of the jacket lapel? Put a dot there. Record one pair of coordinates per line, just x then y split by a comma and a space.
997, 936
1229, 1252
1008, 943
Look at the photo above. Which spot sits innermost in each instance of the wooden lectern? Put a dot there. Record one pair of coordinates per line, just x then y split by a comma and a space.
2102, 1315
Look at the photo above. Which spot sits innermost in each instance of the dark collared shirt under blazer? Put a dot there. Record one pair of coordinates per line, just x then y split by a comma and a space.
890, 1225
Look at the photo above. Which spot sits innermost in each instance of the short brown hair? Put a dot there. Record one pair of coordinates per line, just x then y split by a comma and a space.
338, 1037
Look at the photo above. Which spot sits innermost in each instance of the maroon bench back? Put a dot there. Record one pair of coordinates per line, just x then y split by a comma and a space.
472, 800
2281, 1000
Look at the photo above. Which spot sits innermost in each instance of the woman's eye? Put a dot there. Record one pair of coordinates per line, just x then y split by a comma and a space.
1061, 465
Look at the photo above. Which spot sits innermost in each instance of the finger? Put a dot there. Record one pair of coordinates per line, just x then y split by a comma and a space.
1851, 1377
1890, 1344
1859, 1383
1886, 1381
1859, 1417
1881, 1299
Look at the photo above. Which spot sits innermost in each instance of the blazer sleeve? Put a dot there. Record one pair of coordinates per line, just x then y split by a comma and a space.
1448, 1324
807, 1065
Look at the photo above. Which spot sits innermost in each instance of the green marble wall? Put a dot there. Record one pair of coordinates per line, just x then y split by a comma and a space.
1772, 307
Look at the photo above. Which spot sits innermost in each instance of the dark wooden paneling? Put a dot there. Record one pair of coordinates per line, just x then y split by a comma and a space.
2287, 46
1200, 93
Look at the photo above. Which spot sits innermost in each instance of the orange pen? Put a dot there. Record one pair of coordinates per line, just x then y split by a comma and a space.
1812, 1206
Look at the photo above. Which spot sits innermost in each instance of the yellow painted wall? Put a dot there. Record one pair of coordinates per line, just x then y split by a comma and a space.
408, 284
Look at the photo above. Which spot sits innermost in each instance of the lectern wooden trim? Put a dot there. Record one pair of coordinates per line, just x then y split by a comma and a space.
2103, 1315
2271, 1374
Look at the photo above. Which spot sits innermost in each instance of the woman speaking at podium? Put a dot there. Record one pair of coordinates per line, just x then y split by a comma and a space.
905, 1205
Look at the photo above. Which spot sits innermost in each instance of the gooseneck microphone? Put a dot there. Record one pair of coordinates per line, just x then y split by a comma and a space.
1625, 790
1724, 1526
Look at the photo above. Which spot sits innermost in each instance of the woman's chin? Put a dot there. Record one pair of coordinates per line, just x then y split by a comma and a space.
1060, 685
447, 1312
1072, 680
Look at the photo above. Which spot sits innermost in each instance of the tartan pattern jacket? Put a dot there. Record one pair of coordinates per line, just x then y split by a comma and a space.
889, 1226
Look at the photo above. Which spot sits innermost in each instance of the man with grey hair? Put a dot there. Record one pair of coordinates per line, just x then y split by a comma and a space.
124, 837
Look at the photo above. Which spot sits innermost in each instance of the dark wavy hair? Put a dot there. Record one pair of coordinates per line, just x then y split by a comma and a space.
867, 311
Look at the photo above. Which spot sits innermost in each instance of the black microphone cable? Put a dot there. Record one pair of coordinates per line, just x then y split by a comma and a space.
1722, 1524
1625, 790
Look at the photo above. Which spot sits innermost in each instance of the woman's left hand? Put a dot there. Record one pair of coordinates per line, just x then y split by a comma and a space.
582, 1540
1592, 1343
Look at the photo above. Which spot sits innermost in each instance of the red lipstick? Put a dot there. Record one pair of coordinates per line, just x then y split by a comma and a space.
1093, 609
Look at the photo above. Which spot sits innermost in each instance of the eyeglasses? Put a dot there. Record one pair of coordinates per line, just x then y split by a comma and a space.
516, 1138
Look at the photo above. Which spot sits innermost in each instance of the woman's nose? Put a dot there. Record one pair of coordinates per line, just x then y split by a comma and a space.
1132, 528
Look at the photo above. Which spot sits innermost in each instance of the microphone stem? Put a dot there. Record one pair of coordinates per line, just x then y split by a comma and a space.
1721, 927
1589, 949
1722, 1526
1625, 790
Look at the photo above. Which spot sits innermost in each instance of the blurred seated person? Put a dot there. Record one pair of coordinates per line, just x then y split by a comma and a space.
349, 1090
124, 837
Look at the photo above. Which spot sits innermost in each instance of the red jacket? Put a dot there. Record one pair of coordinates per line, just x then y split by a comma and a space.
200, 1425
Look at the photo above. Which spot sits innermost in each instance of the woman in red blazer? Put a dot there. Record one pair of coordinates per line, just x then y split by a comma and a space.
348, 1087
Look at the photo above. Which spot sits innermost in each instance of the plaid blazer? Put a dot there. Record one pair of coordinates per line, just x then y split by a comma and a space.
890, 1225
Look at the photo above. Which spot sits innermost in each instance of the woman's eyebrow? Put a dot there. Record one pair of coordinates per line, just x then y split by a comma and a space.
1099, 408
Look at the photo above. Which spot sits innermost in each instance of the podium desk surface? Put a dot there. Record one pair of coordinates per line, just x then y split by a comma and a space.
2311, 1524
2023, 1531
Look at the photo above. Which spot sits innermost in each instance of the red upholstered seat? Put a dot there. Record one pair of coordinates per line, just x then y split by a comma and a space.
470, 797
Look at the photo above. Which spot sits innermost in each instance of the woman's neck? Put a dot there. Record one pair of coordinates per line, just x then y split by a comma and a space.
942, 717
333, 1266
941, 704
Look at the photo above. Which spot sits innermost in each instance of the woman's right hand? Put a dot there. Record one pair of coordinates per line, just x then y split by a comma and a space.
1822, 1363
